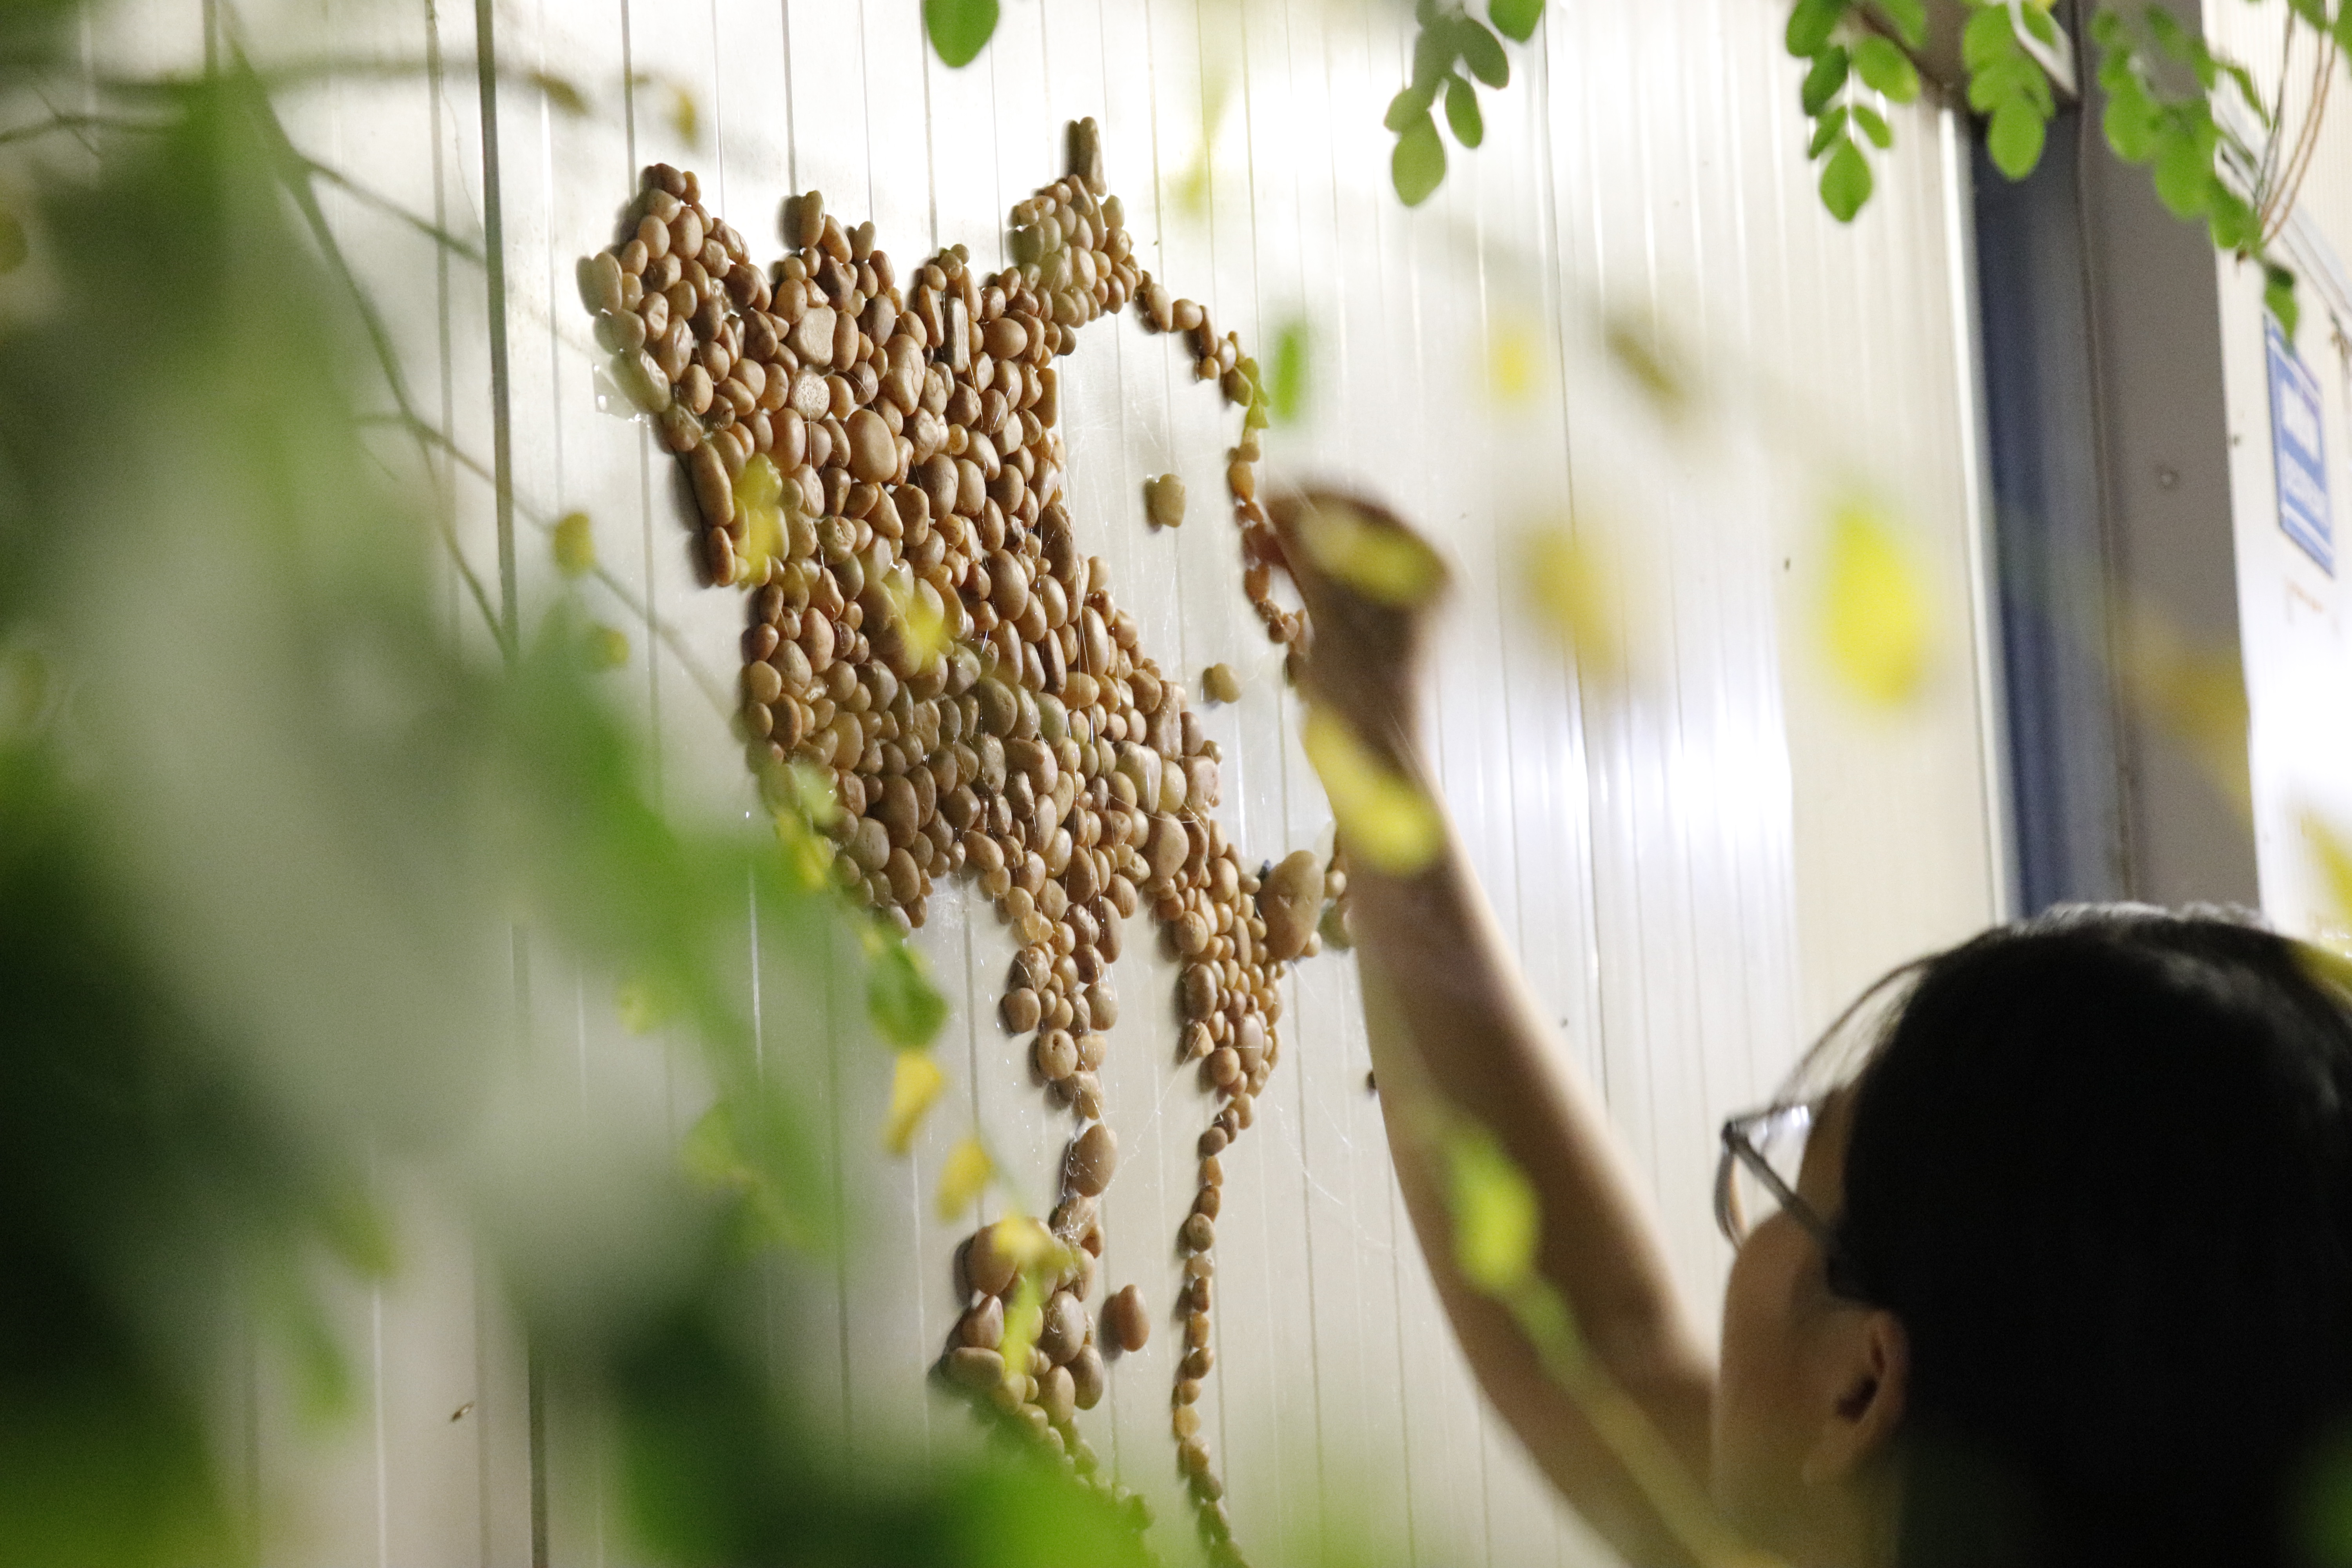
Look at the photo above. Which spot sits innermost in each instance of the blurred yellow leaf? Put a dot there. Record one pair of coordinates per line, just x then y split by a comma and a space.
1875, 615
1573, 591
575, 544
759, 497
562, 93
684, 114
1514, 360
807, 857
1384, 817
915, 607
2335, 855
1024, 1314
1495, 1214
1384, 563
2195, 692
13, 245
608, 648
641, 1006
1651, 366
916, 1085
964, 1177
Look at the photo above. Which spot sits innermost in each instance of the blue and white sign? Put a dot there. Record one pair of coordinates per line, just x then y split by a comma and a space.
2300, 450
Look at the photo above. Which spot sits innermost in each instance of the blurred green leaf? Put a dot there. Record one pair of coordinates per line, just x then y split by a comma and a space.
1483, 53
13, 245
1845, 181
1988, 37
960, 29
1827, 130
1824, 80
1462, 114
1433, 55
2014, 138
1908, 17
1417, 167
1809, 24
1516, 19
1410, 104
905, 1009
2184, 174
1874, 125
2279, 297
1886, 68
1287, 391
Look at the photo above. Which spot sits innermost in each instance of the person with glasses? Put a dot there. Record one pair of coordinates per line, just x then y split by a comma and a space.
2043, 1255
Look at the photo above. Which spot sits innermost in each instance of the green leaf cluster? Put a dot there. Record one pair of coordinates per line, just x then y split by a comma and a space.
1851, 57
274, 877
2177, 136
2006, 85
1453, 54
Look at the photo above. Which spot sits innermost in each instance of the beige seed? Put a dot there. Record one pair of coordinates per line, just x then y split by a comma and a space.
712, 492
984, 1326
1200, 988
1057, 1396
1093, 1155
761, 684
1185, 1421
1219, 683
1224, 1068
1086, 1379
812, 339
989, 1264
1290, 903
1062, 1333
1125, 1319
873, 450
975, 1368
1163, 500
1021, 1010
1056, 1055
1198, 1233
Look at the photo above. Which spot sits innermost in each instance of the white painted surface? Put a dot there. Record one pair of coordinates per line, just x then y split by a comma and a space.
2298, 653
1698, 852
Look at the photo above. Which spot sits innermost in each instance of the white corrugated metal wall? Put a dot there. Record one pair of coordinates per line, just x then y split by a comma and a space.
1698, 851
2291, 610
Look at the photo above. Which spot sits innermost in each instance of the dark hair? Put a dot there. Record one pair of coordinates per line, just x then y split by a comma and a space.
2100, 1167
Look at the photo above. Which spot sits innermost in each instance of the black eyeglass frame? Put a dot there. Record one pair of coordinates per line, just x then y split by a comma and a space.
1739, 1149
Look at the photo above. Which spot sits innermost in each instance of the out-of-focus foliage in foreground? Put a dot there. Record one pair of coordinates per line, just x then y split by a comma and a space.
268, 844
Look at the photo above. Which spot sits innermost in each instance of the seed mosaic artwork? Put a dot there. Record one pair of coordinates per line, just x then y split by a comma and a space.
878, 463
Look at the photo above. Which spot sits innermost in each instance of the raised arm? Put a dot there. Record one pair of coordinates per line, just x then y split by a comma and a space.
1454, 1033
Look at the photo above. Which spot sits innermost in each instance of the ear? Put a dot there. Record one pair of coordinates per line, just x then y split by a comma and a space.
1866, 1371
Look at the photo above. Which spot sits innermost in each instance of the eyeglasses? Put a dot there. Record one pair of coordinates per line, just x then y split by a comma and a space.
1763, 1153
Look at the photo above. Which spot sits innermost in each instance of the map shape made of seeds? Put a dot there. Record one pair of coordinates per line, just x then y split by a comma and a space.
878, 462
